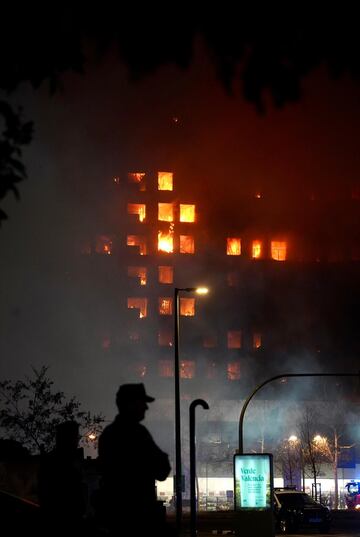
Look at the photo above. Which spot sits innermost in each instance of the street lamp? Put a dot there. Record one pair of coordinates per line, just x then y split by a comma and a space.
178, 470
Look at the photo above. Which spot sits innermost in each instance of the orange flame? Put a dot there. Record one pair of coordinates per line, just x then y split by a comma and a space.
166, 240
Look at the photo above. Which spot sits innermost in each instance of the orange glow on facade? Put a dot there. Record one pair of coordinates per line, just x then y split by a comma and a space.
187, 244
166, 274
136, 240
166, 212
209, 341
165, 337
232, 278
103, 245
165, 306
187, 369
187, 213
139, 178
278, 250
138, 303
139, 209
233, 246
165, 181
166, 368
233, 371
166, 241
187, 307
256, 340
138, 272
256, 249
234, 339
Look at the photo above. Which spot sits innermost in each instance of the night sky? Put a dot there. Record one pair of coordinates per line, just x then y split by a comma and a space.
101, 125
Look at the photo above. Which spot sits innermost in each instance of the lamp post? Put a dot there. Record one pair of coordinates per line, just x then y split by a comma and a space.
178, 469
285, 375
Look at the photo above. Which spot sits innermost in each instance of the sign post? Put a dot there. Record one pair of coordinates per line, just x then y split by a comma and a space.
253, 501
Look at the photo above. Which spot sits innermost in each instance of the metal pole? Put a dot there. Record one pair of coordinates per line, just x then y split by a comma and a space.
194, 404
178, 471
245, 405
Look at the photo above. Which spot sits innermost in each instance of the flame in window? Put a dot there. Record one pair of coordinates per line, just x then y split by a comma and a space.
187, 244
136, 240
166, 274
256, 249
139, 209
166, 240
187, 307
165, 306
138, 303
233, 246
138, 272
233, 371
103, 244
187, 369
187, 213
139, 178
234, 339
165, 180
166, 212
256, 340
166, 368
278, 250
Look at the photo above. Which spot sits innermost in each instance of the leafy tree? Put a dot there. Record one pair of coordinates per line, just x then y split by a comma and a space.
31, 409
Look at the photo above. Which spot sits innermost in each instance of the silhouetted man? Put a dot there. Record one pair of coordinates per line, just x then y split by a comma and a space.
60, 484
130, 462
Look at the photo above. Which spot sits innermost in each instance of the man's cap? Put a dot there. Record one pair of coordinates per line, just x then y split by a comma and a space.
133, 392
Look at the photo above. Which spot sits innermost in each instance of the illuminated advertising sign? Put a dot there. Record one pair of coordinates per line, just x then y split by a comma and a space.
253, 475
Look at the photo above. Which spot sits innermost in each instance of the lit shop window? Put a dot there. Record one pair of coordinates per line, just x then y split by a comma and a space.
165, 306
137, 208
138, 303
103, 244
256, 249
166, 368
234, 339
187, 213
138, 178
209, 341
138, 272
187, 245
232, 278
278, 250
136, 240
165, 212
166, 241
256, 340
165, 180
233, 371
166, 274
187, 369
187, 307
165, 337
233, 246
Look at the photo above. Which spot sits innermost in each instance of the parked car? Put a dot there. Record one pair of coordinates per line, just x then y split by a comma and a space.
294, 510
